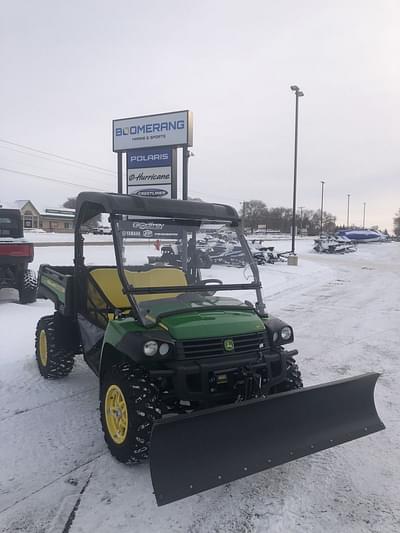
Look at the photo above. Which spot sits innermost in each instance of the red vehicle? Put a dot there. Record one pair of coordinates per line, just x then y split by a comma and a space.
15, 255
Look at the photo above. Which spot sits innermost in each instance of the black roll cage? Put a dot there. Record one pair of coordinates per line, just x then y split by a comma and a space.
89, 204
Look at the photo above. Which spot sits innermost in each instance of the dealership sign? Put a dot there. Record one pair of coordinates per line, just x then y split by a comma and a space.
149, 172
149, 176
168, 129
149, 157
150, 145
161, 191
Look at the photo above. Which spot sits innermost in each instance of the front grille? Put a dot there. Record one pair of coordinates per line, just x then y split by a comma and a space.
214, 347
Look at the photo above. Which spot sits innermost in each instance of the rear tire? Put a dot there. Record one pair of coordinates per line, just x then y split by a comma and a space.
129, 406
28, 288
293, 377
54, 361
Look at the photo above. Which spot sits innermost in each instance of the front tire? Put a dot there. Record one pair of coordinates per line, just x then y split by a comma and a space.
293, 377
54, 361
129, 406
28, 288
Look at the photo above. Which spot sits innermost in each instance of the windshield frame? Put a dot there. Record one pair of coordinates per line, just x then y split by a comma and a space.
131, 291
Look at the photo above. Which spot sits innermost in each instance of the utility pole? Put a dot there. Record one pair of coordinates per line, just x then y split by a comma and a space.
322, 205
365, 203
348, 210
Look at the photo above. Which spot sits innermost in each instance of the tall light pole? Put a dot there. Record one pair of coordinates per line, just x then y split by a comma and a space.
348, 210
365, 203
298, 94
322, 204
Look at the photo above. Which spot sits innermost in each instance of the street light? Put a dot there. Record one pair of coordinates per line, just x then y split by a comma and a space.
298, 94
348, 210
322, 203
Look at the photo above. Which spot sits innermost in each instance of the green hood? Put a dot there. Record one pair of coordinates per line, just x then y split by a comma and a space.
213, 323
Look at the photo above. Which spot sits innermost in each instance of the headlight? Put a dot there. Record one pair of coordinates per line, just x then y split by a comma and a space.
164, 348
150, 348
286, 333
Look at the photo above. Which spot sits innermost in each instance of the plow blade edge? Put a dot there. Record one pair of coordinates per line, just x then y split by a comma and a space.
195, 452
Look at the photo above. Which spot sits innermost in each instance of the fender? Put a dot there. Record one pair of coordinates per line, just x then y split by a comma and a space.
273, 325
127, 337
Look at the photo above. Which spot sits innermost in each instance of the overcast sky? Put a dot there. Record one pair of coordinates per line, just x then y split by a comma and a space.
69, 68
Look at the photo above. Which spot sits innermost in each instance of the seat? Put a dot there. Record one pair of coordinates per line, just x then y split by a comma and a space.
108, 280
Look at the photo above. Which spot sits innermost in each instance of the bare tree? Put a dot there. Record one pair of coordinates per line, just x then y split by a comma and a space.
254, 213
70, 203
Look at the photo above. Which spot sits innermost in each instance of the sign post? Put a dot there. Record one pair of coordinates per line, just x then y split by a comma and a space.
185, 165
119, 171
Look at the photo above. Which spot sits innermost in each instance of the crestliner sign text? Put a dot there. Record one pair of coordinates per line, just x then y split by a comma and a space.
157, 191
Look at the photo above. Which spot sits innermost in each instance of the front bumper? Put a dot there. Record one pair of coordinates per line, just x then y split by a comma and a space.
214, 380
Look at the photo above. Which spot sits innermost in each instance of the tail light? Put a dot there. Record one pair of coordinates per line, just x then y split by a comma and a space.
17, 250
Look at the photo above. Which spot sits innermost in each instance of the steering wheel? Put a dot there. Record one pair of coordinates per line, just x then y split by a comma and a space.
211, 281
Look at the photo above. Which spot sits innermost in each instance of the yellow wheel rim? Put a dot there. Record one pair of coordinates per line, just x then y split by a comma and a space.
116, 412
43, 347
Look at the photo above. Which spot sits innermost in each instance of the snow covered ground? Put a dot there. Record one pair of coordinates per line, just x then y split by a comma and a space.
346, 314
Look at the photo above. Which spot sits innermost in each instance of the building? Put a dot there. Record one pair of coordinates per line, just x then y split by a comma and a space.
51, 219
59, 220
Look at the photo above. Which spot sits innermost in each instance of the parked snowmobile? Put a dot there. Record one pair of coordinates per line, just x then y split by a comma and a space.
331, 244
211, 252
171, 254
271, 255
260, 257
165, 340
231, 255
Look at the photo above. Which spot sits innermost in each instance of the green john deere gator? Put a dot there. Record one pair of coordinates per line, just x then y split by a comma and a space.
193, 371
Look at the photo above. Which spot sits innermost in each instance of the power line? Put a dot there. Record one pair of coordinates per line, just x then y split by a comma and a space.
88, 165
54, 180
46, 158
57, 179
108, 171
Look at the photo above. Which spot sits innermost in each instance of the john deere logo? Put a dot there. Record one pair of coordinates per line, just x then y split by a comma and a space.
229, 345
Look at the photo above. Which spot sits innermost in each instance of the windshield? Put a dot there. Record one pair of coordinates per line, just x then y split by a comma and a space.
9, 226
174, 265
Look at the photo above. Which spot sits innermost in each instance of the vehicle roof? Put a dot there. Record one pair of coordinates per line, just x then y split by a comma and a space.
90, 204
